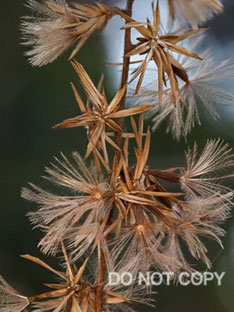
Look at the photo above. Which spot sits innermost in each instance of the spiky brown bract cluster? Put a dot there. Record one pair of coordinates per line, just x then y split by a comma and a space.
73, 292
159, 48
194, 12
58, 25
98, 116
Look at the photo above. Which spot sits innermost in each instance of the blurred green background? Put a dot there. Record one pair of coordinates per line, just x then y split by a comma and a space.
35, 99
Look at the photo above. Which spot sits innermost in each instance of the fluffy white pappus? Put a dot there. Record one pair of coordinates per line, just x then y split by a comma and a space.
137, 293
189, 237
205, 91
58, 25
206, 206
86, 237
204, 174
195, 12
138, 249
88, 201
214, 209
137, 296
47, 33
200, 220
10, 300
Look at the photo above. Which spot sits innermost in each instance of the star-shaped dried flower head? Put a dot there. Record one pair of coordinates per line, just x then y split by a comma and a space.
194, 12
141, 201
74, 292
58, 25
98, 115
159, 48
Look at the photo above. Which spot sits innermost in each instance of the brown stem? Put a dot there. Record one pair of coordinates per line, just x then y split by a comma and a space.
101, 279
124, 79
118, 135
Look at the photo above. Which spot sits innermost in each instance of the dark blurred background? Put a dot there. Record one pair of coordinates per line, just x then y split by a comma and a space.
35, 99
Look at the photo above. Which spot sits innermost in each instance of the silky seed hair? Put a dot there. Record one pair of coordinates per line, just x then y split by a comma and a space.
10, 300
204, 92
195, 12
57, 25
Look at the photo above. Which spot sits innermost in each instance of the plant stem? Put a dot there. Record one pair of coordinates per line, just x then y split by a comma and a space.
101, 279
118, 135
124, 79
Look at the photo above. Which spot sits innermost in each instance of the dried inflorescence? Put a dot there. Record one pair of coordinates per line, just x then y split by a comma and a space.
185, 80
58, 25
204, 90
98, 116
146, 221
194, 12
81, 215
73, 292
157, 220
159, 47
120, 210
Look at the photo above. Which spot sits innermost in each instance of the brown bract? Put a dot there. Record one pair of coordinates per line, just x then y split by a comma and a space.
98, 116
91, 18
58, 26
139, 194
158, 48
74, 292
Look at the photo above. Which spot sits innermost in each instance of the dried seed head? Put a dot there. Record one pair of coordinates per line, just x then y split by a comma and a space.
138, 248
73, 292
58, 25
98, 116
88, 199
159, 48
204, 91
155, 224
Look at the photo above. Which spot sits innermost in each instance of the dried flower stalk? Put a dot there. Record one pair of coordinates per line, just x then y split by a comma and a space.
121, 212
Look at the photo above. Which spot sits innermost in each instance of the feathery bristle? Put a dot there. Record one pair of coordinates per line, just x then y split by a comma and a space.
195, 12
204, 173
202, 92
57, 26
89, 198
10, 300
